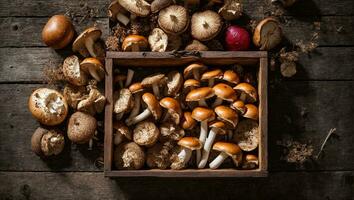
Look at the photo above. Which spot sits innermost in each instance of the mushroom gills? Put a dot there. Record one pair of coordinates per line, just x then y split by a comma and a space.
218, 160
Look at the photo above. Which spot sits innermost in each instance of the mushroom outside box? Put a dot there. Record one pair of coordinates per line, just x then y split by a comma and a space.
144, 62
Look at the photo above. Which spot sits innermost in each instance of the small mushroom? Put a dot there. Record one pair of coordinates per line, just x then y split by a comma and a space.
226, 149
231, 10
170, 131
121, 133
205, 25
158, 156
129, 156
267, 34
46, 142
72, 71
194, 70
93, 67
48, 106
223, 92
188, 123
200, 95
146, 133
158, 5
174, 19
136, 89
247, 135
153, 108
158, 40
231, 77
217, 127
123, 103
188, 145
74, 94
196, 46
239, 107
58, 32
227, 114
174, 83
85, 42
117, 13
139, 8
174, 110
93, 104
135, 43
210, 76
250, 162
247, 92
153, 81
81, 127
251, 112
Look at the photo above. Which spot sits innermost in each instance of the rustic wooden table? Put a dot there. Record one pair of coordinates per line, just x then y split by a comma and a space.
305, 108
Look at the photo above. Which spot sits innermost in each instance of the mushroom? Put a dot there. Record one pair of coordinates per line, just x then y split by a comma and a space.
136, 89
121, 133
153, 108
85, 42
191, 84
117, 12
231, 10
93, 67
231, 77
196, 46
267, 34
288, 69
247, 92
174, 83
223, 92
239, 107
250, 162
227, 114
119, 78
158, 40
173, 19
202, 115
205, 25
139, 8
217, 127
188, 145
130, 75
210, 76
146, 134
226, 149
134, 43
157, 5
200, 95
72, 71
188, 123
48, 106
194, 69
123, 102
93, 104
46, 142
158, 156
81, 127
153, 81
174, 110
247, 135
285, 3
251, 112
74, 94
129, 156
58, 32
170, 131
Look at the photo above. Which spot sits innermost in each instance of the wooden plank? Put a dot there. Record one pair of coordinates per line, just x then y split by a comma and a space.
263, 113
108, 118
86, 185
26, 32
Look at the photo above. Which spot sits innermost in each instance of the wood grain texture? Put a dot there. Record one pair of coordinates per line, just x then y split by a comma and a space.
86, 185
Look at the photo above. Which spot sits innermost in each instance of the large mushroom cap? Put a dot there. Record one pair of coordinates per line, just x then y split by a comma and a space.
201, 114
191, 83
200, 94
72, 71
230, 149
267, 34
135, 88
213, 74
137, 7
174, 83
173, 108
129, 156
58, 32
47, 142
158, 40
134, 43
152, 104
124, 101
249, 90
188, 71
231, 77
94, 67
92, 33
251, 112
48, 106
225, 92
192, 143
227, 114
146, 133
81, 127
174, 19
247, 135
205, 25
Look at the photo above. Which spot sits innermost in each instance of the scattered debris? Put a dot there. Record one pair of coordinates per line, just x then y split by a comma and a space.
331, 131
296, 152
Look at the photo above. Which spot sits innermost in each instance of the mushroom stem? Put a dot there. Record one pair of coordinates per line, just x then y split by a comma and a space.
129, 79
202, 137
218, 160
202, 102
118, 138
207, 146
218, 101
90, 144
196, 74
123, 19
136, 108
142, 116
243, 96
185, 155
89, 43
165, 118
155, 89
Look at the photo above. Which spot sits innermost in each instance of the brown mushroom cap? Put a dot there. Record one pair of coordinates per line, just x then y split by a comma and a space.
267, 34
135, 43
200, 94
124, 101
36, 140
72, 71
46, 142
188, 122
188, 71
157, 5
220, 125
205, 25
170, 131
152, 104
239, 106
191, 83
251, 112
249, 90
247, 135
114, 10
58, 32
174, 19
74, 94
214, 74
227, 114
173, 108
231, 77
195, 45
136, 87
250, 161
129, 156
146, 133
81, 127
122, 129
137, 7
159, 155
201, 114
230, 149
174, 83
158, 40
94, 67
93, 33
225, 92
192, 143
231, 10
153, 79
48, 106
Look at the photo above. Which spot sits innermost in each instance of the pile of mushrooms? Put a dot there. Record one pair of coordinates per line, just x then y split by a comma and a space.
160, 120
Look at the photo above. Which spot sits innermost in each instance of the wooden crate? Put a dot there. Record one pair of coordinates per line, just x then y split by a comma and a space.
153, 61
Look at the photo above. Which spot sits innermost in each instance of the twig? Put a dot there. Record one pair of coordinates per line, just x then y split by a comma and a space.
325, 141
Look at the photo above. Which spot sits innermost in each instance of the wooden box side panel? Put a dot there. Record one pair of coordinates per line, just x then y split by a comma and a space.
263, 113
108, 127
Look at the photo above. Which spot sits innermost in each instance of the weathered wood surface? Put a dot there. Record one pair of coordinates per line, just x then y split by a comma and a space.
85, 185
